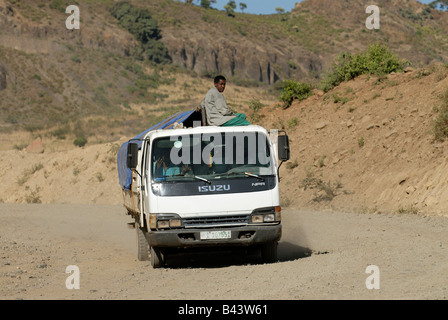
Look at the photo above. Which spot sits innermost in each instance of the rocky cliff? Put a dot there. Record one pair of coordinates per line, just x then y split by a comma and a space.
245, 60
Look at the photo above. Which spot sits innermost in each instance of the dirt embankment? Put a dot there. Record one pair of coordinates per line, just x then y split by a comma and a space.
77, 175
369, 143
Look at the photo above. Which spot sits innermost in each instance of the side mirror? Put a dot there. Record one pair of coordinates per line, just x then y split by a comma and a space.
132, 155
283, 148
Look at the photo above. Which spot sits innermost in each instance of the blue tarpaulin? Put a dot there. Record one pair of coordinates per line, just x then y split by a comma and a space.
124, 173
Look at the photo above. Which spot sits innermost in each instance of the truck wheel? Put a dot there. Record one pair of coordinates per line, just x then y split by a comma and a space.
269, 252
142, 244
157, 257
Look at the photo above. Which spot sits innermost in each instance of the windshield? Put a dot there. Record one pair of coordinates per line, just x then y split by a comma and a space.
210, 157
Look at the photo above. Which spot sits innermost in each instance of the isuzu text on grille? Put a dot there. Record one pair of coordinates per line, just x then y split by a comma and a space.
218, 187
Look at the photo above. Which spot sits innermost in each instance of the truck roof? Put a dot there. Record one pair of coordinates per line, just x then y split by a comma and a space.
202, 129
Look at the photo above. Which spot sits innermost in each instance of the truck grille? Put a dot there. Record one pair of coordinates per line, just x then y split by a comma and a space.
221, 221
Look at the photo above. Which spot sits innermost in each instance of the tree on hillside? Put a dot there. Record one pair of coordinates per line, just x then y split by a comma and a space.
279, 10
144, 28
206, 3
189, 1
137, 21
230, 8
243, 6
442, 4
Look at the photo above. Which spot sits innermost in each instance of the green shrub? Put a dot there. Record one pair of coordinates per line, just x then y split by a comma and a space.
156, 52
377, 60
293, 90
255, 105
28, 173
361, 142
326, 191
440, 124
80, 141
99, 176
408, 210
137, 21
58, 5
291, 165
33, 197
440, 129
293, 122
61, 132
75, 58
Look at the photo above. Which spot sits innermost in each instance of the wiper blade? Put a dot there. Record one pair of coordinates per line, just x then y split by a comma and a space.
219, 175
247, 174
203, 179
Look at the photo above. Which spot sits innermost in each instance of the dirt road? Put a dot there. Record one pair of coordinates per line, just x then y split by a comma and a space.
323, 255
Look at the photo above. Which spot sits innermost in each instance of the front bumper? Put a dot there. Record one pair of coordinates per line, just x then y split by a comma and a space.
240, 236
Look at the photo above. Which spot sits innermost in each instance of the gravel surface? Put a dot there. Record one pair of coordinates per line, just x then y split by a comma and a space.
322, 255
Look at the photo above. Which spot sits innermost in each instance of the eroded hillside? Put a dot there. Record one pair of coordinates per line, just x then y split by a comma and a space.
367, 145
92, 72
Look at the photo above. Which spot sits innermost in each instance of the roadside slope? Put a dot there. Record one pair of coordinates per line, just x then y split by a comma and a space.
80, 175
369, 140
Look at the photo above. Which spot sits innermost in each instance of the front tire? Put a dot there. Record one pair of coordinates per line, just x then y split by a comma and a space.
142, 244
157, 257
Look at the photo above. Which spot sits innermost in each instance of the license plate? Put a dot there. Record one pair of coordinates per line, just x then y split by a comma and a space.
211, 235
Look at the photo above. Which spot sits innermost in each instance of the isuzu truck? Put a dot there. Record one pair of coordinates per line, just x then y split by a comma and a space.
192, 186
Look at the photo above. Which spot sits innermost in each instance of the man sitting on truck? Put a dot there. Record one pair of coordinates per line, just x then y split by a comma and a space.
217, 111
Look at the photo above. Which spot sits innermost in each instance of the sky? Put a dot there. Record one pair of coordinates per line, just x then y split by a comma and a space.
265, 6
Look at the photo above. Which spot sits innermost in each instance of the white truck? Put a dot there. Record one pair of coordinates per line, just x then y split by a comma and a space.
218, 187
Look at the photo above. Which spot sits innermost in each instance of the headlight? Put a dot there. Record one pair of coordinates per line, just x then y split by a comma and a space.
260, 218
257, 218
164, 221
175, 223
266, 215
163, 224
